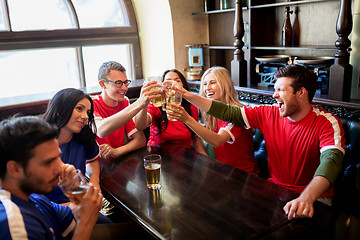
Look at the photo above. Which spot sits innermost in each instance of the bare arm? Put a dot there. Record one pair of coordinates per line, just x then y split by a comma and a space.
303, 205
138, 141
202, 103
93, 169
142, 119
214, 139
110, 124
197, 145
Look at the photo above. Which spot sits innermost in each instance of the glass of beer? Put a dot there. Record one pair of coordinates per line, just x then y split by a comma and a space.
74, 186
159, 101
174, 97
152, 165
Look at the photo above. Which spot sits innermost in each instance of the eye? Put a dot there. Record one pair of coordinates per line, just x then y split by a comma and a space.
78, 108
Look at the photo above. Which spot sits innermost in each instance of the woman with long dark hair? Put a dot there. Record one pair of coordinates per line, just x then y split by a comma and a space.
163, 130
71, 110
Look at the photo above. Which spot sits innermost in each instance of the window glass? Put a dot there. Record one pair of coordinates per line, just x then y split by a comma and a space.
48, 15
3, 25
94, 56
36, 71
104, 13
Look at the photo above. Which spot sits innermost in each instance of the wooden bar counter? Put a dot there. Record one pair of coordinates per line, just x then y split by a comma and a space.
202, 198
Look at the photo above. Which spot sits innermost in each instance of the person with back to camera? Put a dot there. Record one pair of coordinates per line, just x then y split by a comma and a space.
232, 144
113, 114
305, 144
30, 166
71, 110
163, 130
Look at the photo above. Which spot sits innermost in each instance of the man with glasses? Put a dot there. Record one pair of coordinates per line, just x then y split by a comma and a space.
113, 113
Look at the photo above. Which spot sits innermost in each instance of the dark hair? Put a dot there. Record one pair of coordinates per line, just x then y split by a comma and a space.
162, 122
60, 109
19, 136
107, 66
300, 77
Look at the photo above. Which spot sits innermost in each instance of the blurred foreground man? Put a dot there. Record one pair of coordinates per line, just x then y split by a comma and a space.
29, 167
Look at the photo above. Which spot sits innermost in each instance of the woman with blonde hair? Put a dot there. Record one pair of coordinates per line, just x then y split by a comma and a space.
232, 144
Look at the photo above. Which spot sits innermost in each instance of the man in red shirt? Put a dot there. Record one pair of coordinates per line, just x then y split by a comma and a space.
113, 113
305, 144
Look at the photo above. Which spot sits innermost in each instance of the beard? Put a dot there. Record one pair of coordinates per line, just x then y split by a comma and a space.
31, 184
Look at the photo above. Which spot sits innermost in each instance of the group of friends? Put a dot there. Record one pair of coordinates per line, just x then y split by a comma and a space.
305, 144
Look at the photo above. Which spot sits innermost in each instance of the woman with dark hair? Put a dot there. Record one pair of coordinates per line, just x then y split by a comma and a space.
163, 130
71, 110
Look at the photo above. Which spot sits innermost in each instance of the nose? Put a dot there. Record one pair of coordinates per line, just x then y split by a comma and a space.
276, 94
207, 87
59, 165
84, 116
123, 87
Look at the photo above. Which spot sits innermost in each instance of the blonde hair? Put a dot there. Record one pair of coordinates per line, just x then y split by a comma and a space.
227, 92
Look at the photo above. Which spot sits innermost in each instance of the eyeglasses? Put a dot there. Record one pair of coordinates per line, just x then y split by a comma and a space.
118, 83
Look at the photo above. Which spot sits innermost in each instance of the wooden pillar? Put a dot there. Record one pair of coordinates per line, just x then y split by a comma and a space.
341, 71
239, 65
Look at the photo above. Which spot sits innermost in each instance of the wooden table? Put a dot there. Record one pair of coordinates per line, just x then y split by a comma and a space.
202, 198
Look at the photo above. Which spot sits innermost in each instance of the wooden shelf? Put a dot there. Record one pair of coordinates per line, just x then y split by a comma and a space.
218, 11
288, 3
314, 47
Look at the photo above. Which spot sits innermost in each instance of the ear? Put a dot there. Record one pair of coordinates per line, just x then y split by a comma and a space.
14, 169
302, 93
102, 84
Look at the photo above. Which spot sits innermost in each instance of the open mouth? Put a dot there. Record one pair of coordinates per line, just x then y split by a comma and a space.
209, 95
281, 105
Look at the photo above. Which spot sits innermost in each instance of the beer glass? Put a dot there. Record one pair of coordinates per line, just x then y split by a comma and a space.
159, 101
74, 186
174, 97
152, 165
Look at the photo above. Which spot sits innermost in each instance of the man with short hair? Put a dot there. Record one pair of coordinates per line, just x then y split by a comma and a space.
113, 112
30, 166
305, 144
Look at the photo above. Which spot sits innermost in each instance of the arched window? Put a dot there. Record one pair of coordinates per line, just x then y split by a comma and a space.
47, 45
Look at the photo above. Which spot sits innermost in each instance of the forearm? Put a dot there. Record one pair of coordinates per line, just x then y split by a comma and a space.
93, 169
317, 187
82, 231
202, 103
110, 124
137, 142
207, 135
141, 119
227, 113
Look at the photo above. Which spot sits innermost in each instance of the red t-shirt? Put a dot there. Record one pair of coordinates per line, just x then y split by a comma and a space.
235, 152
294, 147
176, 131
102, 110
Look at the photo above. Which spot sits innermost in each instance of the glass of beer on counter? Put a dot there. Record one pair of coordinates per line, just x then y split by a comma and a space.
74, 186
174, 98
152, 165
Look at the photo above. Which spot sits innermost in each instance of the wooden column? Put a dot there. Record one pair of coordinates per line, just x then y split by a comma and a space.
239, 65
341, 71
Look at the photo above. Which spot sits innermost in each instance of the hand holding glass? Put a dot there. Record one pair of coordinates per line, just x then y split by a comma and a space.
74, 186
152, 165
174, 97
159, 101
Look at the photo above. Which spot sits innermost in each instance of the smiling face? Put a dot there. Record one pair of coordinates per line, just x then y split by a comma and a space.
79, 117
287, 100
42, 171
211, 87
113, 94
173, 76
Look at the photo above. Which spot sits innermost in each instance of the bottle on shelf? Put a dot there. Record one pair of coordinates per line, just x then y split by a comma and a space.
286, 29
296, 29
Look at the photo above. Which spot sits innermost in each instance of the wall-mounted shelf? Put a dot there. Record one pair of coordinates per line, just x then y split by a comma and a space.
288, 3
218, 11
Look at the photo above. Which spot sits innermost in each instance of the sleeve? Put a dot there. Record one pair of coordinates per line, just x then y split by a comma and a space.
226, 112
96, 107
232, 130
93, 153
330, 164
65, 218
130, 128
154, 112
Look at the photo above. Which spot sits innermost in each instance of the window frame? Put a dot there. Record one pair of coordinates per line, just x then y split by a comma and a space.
77, 38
